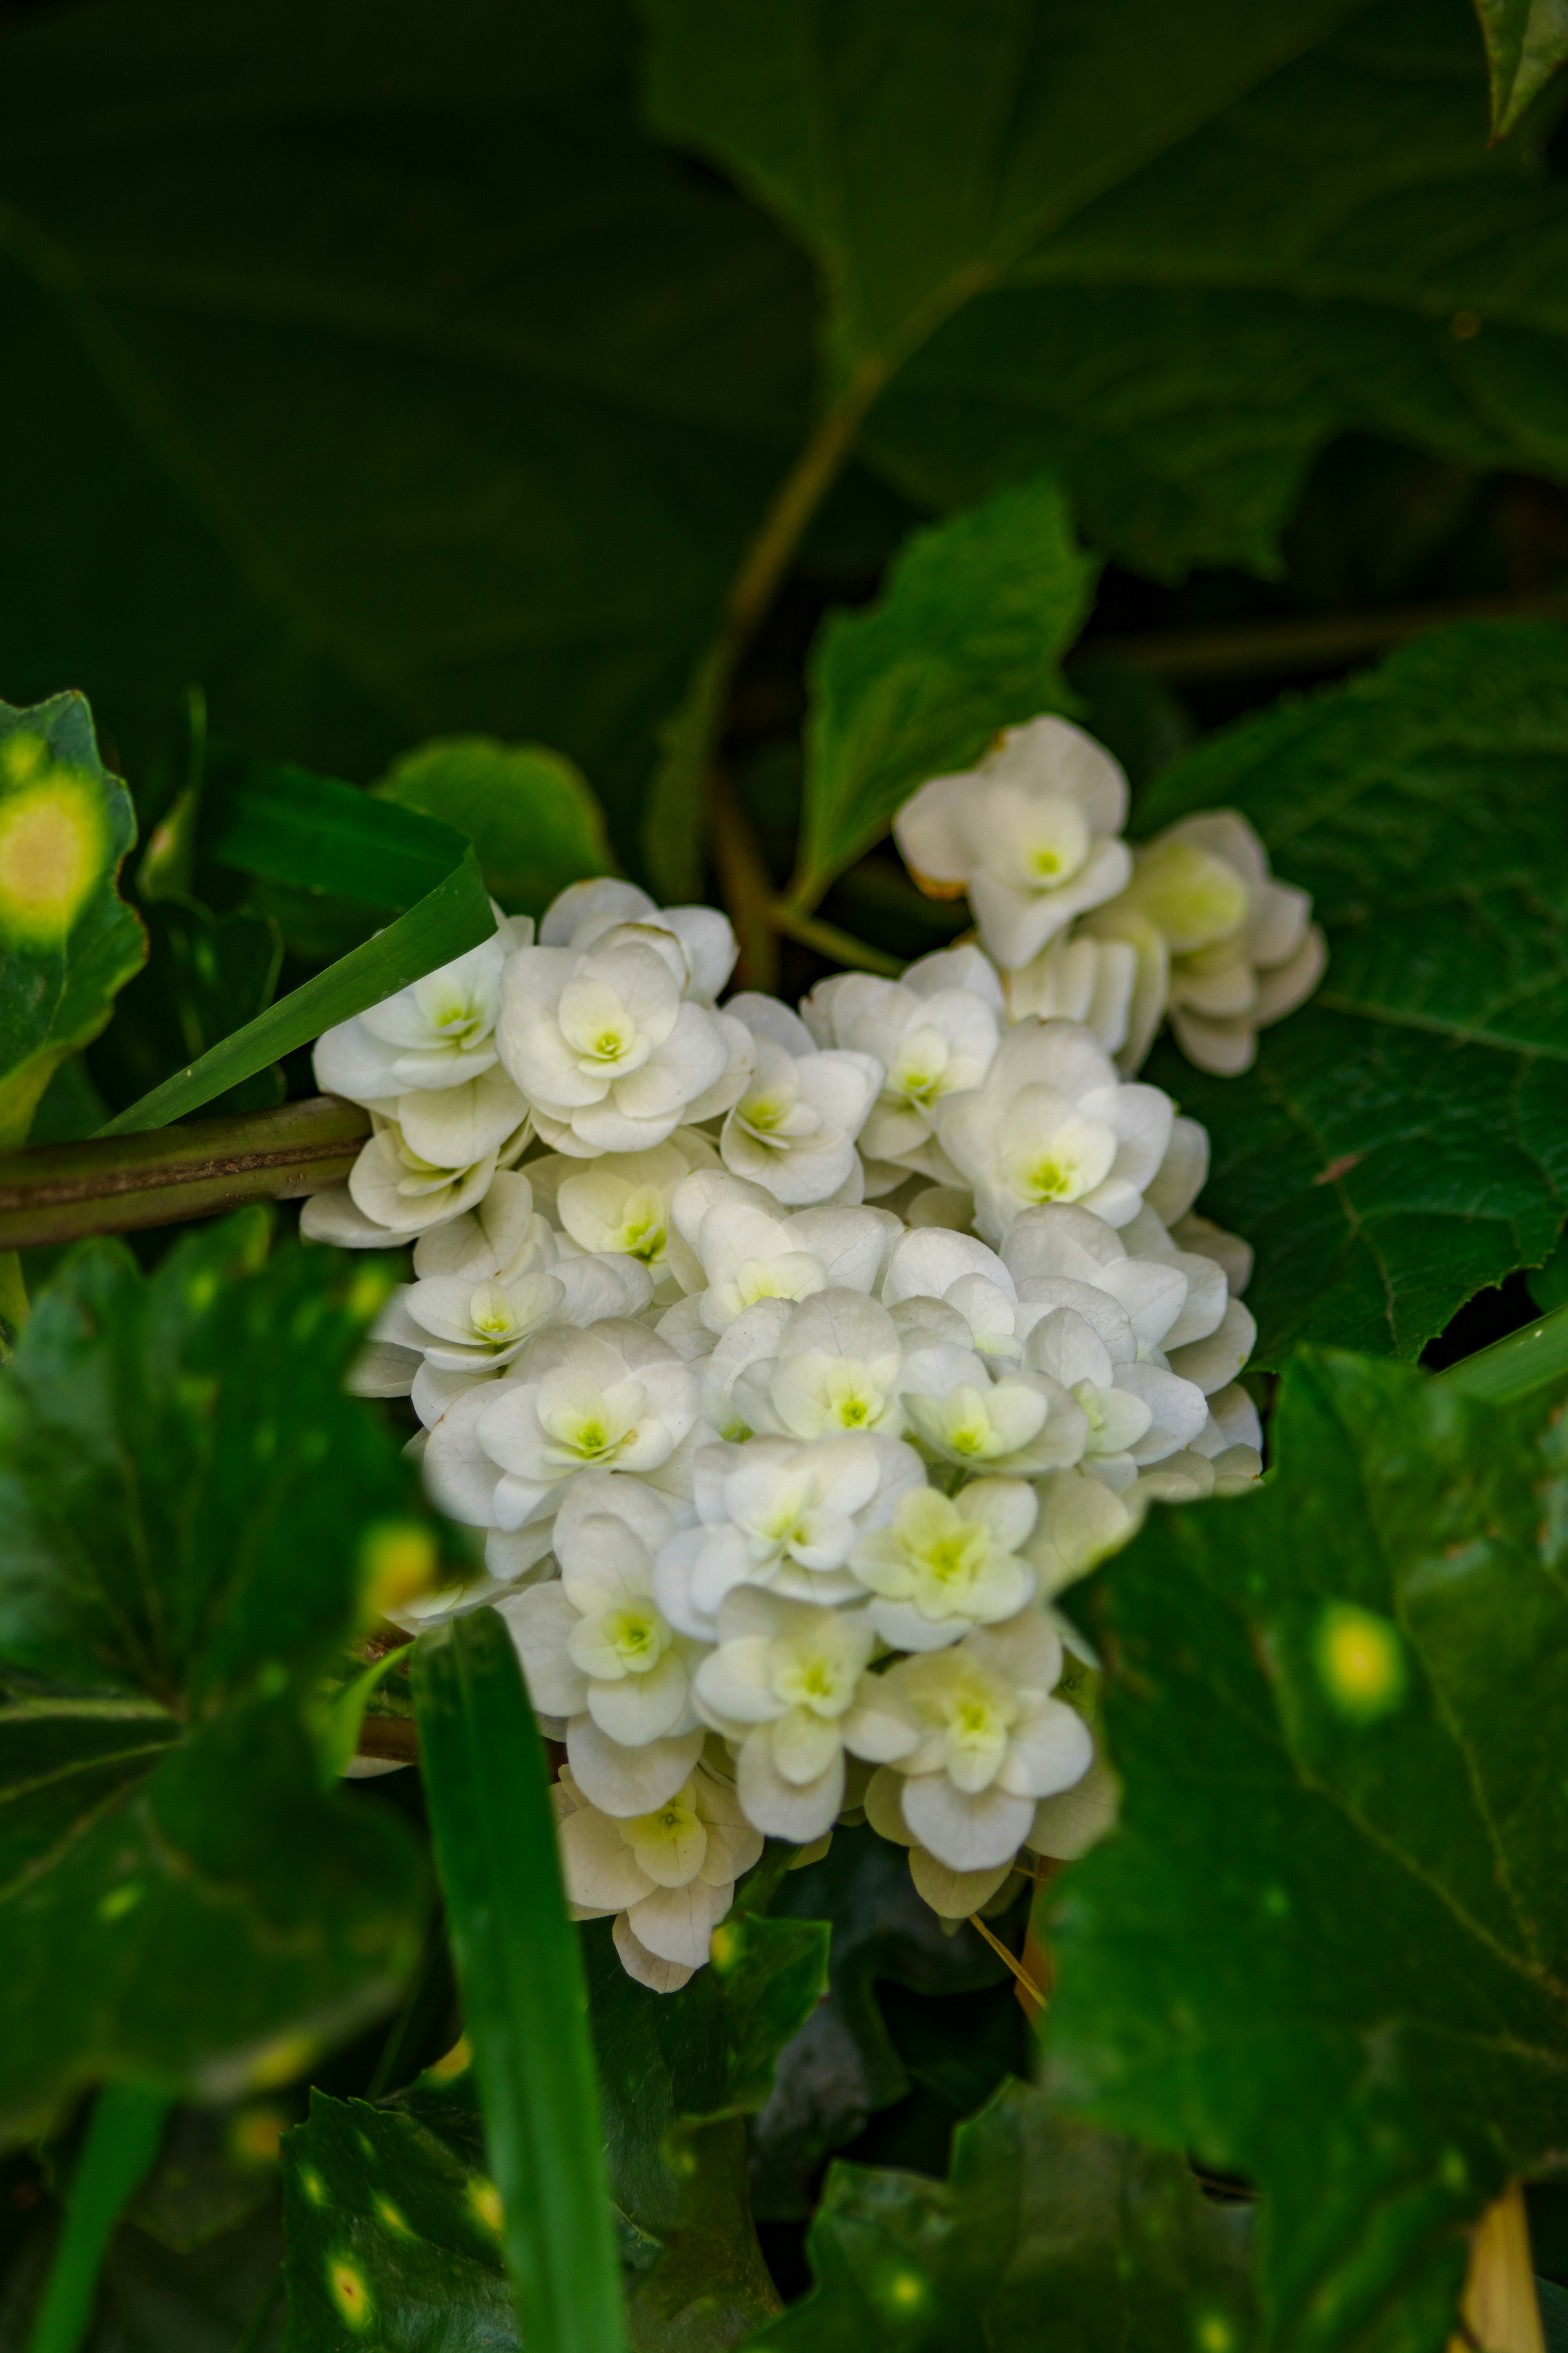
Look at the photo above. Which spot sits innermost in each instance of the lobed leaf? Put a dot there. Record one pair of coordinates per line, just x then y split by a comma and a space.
1046, 2232
193, 1516
965, 638
1326, 1946
68, 940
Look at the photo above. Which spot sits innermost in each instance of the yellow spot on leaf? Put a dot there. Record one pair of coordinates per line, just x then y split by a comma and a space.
254, 2134
1215, 2333
281, 2061
54, 846
311, 2183
905, 2291
485, 2199
349, 2292
397, 1562
121, 1900
456, 2061
392, 2218
368, 1292
724, 1949
1361, 1659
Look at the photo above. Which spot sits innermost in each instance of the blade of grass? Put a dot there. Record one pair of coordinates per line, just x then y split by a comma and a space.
525, 2004
1515, 1367
122, 2136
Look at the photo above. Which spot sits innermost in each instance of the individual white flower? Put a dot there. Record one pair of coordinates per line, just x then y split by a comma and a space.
952, 1895
788, 1686
992, 1740
615, 1398
1082, 1522
933, 1264
1052, 1122
668, 1875
1137, 1412
607, 1052
834, 1368
1243, 949
1063, 1258
605, 912
946, 1564
930, 1042
437, 1033
793, 1126
746, 1252
429, 1161
1031, 833
1018, 1424
619, 1204
604, 1669
502, 1235
1077, 978
783, 1515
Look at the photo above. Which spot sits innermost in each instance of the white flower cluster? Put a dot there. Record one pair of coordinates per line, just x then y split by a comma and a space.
1191, 924
793, 1365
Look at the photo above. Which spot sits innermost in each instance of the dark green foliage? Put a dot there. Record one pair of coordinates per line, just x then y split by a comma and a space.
1326, 1948
1402, 1140
193, 1518
1046, 2232
534, 824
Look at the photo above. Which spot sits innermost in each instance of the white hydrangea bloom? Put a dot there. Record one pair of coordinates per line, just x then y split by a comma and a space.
946, 1564
616, 1397
1078, 978
1053, 1121
605, 912
609, 1053
1032, 833
793, 1125
992, 1740
668, 1875
1017, 1423
1137, 1412
430, 1159
787, 1685
783, 1515
605, 1671
746, 1252
1243, 949
439, 1032
931, 1041
1060, 1257
834, 1367
619, 1204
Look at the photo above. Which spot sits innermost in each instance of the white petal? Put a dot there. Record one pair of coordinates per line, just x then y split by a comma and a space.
626, 1781
968, 1833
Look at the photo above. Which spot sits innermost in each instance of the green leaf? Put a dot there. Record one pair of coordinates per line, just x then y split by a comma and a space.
309, 833
122, 2136
205, 976
1325, 1947
1167, 254
844, 2066
68, 940
1046, 2233
965, 638
1401, 1142
530, 815
1527, 41
1517, 1366
524, 2004
193, 1520
410, 391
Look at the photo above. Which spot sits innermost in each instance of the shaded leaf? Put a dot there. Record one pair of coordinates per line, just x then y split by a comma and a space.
1401, 1142
205, 976
1046, 2232
191, 1516
530, 815
1325, 1947
154, 2300
843, 2064
1166, 254
965, 638
1527, 41
390, 385
68, 940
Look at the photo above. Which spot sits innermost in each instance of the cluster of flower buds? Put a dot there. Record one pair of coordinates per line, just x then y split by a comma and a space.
794, 1363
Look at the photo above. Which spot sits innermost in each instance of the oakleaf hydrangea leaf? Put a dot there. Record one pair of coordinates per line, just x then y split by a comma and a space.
195, 1521
965, 638
1401, 1141
1046, 2232
68, 940
1327, 1946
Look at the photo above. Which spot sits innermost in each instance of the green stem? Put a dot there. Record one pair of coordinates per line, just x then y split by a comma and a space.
111, 1185
15, 1308
1304, 641
675, 825
843, 947
122, 2139
1535, 1358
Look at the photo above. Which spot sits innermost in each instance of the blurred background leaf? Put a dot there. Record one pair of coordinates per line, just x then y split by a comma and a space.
532, 819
